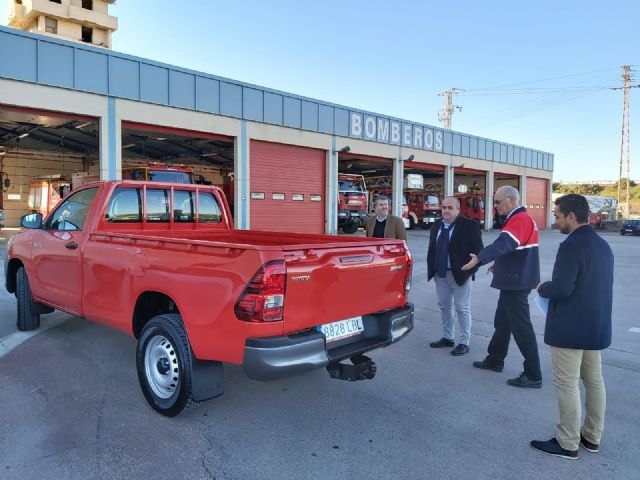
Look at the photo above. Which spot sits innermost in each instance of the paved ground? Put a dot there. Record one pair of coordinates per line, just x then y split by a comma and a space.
71, 406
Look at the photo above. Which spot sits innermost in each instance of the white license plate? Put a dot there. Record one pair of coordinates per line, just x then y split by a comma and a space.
342, 329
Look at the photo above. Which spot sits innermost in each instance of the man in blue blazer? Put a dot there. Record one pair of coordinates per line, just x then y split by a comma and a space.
578, 326
451, 242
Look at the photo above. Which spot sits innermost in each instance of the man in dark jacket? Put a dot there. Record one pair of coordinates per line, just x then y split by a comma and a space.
516, 272
451, 241
578, 326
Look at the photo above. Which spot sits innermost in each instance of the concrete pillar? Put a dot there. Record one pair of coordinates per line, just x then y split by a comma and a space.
523, 190
397, 184
110, 143
331, 190
488, 199
242, 185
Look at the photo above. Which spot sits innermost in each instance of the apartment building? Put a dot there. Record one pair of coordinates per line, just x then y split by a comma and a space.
85, 21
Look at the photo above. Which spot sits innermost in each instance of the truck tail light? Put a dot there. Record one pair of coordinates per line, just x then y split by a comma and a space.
409, 274
263, 298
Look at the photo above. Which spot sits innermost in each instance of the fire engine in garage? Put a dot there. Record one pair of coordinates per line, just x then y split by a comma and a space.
472, 206
46, 191
352, 202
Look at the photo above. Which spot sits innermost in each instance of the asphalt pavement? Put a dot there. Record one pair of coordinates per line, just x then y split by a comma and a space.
71, 406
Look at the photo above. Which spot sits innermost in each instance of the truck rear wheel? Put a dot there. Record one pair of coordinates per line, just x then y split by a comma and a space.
26, 318
163, 361
350, 227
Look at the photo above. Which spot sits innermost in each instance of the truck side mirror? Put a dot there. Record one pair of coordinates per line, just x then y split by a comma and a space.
31, 220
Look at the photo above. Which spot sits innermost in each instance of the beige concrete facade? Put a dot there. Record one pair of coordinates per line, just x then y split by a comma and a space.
74, 20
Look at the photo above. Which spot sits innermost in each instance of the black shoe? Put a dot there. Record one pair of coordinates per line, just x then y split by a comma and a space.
443, 342
484, 365
524, 382
460, 349
588, 446
552, 447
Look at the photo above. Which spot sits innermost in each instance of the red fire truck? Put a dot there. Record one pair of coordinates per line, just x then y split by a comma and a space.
45, 192
352, 202
472, 206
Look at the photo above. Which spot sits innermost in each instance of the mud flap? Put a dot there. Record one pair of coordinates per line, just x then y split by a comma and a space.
362, 368
207, 379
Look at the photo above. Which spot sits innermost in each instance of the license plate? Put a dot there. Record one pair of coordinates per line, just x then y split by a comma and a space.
342, 329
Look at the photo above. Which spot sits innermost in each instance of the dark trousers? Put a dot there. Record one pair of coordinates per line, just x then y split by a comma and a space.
512, 317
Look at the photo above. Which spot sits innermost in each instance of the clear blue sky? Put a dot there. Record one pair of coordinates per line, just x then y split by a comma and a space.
535, 73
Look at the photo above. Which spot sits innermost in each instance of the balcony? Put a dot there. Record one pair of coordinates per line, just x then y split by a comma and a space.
92, 17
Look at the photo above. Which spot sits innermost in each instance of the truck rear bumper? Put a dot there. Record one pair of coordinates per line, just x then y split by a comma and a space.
278, 357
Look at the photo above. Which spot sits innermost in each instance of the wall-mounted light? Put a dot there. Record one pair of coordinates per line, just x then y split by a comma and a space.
460, 166
411, 157
345, 149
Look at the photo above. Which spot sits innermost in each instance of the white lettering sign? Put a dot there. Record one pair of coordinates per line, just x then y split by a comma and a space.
370, 128
383, 130
428, 138
356, 125
438, 142
417, 137
406, 135
395, 132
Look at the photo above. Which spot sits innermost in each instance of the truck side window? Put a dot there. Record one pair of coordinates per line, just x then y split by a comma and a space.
72, 213
184, 206
157, 206
208, 209
125, 206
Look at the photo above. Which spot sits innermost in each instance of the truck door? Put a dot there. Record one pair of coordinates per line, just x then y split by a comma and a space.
57, 253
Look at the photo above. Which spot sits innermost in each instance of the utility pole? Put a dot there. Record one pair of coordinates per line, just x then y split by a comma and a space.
625, 141
446, 113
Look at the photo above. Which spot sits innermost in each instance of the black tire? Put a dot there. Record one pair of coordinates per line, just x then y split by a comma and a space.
622, 233
26, 318
163, 361
412, 223
350, 227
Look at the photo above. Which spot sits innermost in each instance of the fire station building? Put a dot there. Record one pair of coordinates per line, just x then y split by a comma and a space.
70, 109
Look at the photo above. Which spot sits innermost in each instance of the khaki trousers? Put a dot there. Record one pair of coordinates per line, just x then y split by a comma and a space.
569, 365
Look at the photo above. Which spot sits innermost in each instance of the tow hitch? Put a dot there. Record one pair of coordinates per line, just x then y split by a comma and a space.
363, 368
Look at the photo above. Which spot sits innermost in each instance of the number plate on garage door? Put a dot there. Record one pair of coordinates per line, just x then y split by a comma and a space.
342, 329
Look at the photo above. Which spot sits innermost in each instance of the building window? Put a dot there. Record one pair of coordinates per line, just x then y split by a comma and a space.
87, 34
50, 25
88, 4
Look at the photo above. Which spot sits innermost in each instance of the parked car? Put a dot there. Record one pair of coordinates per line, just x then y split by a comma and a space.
630, 226
162, 262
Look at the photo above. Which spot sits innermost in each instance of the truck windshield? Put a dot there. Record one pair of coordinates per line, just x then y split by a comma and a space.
350, 186
431, 201
169, 176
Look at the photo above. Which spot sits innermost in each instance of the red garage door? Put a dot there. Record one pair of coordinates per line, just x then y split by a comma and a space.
537, 206
287, 188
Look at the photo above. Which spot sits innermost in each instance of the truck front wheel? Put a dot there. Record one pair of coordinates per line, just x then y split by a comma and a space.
163, 360
27, 319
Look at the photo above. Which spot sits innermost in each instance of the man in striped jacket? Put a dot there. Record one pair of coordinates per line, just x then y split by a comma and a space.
516, 270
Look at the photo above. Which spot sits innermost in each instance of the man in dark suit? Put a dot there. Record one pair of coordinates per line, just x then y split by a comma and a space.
452, 240
383, 224
578, 326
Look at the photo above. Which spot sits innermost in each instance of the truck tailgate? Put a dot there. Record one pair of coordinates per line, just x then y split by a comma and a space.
336, 283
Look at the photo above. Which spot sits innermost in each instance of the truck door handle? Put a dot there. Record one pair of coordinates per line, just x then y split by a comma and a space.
71, 245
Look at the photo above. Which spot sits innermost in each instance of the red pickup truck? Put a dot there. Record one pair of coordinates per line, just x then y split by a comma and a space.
163, 263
